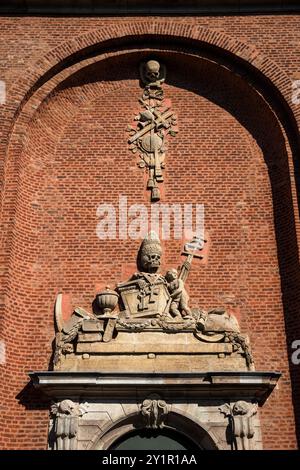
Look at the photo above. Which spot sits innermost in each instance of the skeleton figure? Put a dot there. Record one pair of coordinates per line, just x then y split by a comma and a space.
149, 293
147, 279
179, 296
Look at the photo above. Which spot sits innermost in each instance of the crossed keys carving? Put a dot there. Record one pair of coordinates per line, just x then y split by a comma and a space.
154, 122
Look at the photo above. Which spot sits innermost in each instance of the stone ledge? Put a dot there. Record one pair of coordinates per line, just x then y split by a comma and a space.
111, 348
206, 385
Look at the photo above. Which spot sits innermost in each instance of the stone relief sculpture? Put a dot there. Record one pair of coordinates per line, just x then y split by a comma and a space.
145, 334
66, 416
66, 332
179, 297
240, 422
149, 301
154, 411
156, 120
146, 293
153, 75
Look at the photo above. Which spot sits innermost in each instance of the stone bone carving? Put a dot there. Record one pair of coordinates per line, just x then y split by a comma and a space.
240, 422
152, 125
66, 332
154, 411
65, 427
217, 325
153, 75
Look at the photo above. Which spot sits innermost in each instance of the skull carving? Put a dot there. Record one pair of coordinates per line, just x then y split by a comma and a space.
150, 263
153, 75
240, 408
152, 71
149, 258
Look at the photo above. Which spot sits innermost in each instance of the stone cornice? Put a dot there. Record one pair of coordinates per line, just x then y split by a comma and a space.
205, 385
144, 7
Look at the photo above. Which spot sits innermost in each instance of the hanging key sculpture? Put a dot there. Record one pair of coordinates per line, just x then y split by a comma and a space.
155, 121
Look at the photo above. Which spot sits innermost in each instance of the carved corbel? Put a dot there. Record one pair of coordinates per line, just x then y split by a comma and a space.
154, 411
65, 427
240, 423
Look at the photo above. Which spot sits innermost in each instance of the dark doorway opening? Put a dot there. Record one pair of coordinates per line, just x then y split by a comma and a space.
145, 439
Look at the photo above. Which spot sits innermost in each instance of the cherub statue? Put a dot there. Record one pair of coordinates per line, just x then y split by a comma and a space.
179, 297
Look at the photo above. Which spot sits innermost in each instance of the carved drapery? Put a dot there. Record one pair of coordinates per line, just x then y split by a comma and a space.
240, 423
65, 424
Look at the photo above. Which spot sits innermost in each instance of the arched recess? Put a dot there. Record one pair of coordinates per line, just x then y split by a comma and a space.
128, 33
199, 433
26, 96
63, 61
260, 75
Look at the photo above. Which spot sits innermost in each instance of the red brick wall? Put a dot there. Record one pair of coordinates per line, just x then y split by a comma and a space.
231, 154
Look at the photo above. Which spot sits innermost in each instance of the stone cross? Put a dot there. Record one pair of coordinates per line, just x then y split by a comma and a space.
190, 251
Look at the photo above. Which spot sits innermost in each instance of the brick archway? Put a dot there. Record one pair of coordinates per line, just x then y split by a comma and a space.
75, 50
58, 64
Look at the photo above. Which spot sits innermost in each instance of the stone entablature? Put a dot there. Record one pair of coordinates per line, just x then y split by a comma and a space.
92, 410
